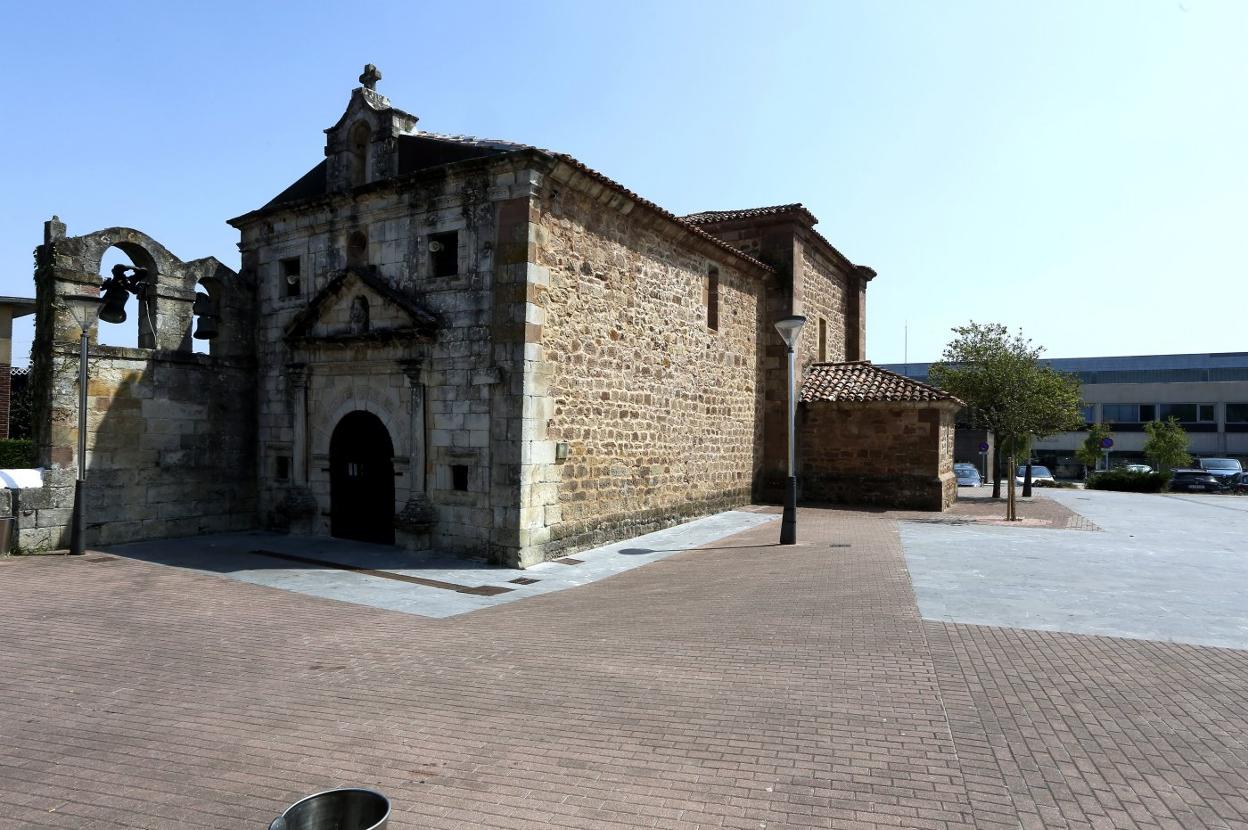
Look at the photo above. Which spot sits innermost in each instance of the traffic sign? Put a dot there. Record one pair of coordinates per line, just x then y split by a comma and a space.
1106, 443
983, 446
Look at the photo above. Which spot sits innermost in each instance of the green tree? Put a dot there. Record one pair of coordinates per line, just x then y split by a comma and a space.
1001, 380
1166, 446
1089, 453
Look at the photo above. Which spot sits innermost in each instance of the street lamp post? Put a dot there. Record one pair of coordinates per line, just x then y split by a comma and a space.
790, 328
84, 308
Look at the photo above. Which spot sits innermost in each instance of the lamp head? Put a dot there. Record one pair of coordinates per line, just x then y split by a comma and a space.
83, 307
790, 328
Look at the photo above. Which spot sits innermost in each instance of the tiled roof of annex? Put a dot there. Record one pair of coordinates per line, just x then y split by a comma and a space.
860, 382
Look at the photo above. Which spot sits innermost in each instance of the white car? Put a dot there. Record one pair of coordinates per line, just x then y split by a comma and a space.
1137, 468
1038, 474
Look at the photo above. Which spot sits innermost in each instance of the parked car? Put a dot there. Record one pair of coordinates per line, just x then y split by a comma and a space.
1039, 476
968, 475
1137, 468
1226, 469
1194, 481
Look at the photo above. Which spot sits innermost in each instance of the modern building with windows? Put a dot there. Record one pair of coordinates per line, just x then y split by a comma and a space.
1207, 393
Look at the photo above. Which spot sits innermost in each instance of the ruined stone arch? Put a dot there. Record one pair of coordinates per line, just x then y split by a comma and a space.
143, 251
167, 275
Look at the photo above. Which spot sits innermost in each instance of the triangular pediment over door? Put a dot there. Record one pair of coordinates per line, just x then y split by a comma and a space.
358, 306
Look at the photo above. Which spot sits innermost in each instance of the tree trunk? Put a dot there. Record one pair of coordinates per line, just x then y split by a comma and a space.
1027, 481
996, 468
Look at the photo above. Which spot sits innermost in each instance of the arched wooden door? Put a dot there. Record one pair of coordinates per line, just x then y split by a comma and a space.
361, 480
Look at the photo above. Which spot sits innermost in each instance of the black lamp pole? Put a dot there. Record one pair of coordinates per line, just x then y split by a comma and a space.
790, 328
75, 537
84, 308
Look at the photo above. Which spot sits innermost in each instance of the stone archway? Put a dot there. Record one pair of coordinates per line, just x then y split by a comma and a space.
361, 476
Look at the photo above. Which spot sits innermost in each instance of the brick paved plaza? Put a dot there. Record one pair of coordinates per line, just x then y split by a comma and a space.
741, 685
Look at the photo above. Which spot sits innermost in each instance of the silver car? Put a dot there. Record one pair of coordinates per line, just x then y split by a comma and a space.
968, 475
1226, 470
1038, 474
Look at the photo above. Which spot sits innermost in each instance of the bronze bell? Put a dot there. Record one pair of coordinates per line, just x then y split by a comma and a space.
206, 328
205, 311
113, 309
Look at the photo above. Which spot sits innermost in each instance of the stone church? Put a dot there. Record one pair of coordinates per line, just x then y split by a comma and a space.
471, 345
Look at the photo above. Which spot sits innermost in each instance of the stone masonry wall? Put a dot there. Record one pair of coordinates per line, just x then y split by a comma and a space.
824, 297
170, 449
660, 414
810, 281
948, 436
892, 454
451, 402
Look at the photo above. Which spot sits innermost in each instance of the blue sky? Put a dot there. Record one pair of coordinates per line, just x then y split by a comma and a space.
1076, 169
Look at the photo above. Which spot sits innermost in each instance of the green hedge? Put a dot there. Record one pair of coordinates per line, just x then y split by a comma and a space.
1128, 482
16, 455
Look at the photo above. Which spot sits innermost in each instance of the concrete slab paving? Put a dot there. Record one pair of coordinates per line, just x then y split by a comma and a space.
1169, 568
240, 556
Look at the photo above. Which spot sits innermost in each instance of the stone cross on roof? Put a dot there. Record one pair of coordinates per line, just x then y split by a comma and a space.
370, 77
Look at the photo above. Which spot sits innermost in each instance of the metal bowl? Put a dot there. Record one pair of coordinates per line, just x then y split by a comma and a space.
348, 808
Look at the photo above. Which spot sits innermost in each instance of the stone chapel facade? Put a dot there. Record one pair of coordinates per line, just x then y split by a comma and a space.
471, 345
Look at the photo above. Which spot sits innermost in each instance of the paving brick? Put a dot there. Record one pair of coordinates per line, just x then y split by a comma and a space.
742, 685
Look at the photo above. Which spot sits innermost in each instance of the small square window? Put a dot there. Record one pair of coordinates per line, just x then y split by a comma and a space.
459, 477
1206, 412
281, 468
291, 277
444, 254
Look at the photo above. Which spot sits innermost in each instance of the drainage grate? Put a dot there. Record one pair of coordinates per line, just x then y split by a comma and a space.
568, 560
100, 560
838, 545
478, 590
524, 580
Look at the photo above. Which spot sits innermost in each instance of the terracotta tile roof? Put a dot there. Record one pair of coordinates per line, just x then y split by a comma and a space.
860, 382
707, 217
